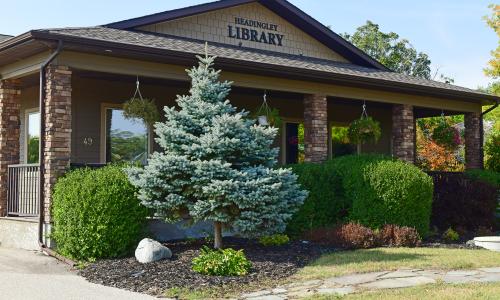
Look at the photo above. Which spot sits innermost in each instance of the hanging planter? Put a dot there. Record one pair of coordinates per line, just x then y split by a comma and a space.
267, 116
446, 135
139, 108
364, 130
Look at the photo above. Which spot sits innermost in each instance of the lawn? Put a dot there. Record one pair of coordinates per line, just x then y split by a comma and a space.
439, 291
386, 259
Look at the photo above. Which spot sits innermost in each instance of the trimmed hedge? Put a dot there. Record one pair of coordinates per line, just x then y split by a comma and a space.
96, 214
462, 202
488, 176
385, 191
322, 208
373, 190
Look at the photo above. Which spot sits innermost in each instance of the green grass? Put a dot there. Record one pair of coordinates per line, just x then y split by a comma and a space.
387, 259
440, 291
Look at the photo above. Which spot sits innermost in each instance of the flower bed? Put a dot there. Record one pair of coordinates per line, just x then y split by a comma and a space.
269, 265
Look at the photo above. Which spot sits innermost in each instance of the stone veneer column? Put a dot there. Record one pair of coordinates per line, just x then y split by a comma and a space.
315, 128
403, 132
10, 102
473, 147
57, 150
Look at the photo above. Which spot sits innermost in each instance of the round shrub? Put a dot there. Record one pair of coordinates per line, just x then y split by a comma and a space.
96, 214
390, 192
274, 240
221, 262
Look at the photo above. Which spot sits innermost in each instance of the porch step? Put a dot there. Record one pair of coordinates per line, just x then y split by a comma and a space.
19, 233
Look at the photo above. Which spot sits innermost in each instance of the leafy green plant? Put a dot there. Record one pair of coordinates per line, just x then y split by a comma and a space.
221, 262
96, 214
451, 235
488, 176
274, 240
384, 191
364, 130
446, 135
492, 151
143, 109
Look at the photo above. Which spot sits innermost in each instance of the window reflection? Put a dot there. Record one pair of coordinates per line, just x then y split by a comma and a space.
126, 140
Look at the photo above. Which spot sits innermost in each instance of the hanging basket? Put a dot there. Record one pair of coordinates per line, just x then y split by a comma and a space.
267, 116
139, 108
364, 130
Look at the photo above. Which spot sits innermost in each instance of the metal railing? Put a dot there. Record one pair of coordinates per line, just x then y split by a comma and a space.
23, 190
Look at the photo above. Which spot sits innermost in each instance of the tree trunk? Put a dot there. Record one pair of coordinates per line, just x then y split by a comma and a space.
217, 235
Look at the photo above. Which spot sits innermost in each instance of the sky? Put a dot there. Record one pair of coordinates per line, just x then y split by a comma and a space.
452, 32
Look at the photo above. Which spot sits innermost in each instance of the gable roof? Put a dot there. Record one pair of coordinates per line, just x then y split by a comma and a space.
282, 8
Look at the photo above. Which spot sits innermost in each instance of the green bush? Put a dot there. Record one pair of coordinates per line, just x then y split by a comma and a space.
492, 152
274, 240
451, 235
322, 208
221, 262
391, 192
488, 176
96, 214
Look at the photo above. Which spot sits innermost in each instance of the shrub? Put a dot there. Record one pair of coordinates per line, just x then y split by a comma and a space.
396, 236
355, 236
274, 240
451, 235
384, 191
221, 262
492, 151
96, 214
322, 208
462, 202
488, 176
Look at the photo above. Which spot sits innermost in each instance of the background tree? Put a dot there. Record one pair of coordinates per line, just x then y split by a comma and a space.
389, 49
217, 165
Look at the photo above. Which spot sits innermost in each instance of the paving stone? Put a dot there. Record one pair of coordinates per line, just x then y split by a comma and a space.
279, 291
267, 297
490, 270
490, 277
256, 294
355, 279
309, 283
300, 294
399, 274
337, 291
462, 273
454, 279
393, 283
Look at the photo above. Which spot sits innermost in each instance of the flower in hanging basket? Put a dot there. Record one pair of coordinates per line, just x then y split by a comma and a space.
143, 109
446, 135
364, 130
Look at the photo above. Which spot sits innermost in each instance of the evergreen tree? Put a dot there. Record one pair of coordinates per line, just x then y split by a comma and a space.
217, 165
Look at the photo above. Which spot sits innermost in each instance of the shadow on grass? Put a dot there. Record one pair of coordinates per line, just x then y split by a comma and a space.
366, 256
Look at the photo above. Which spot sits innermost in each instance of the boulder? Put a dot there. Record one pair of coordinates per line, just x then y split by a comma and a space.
150, 250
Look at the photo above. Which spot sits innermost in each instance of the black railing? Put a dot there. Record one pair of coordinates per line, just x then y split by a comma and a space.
23, 190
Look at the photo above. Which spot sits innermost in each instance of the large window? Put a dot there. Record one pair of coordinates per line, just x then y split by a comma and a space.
126, 140
32, 133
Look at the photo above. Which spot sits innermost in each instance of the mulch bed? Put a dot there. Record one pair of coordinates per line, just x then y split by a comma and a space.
269, 264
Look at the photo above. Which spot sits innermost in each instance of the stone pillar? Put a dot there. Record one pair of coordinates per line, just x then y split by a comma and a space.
315, 128
57, 150
473, 147
403, 132
10, 102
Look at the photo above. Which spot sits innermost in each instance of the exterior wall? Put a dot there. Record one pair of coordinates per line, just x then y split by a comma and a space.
57, 129
404, 132
18, 233
213, 27
473, 147
10, 100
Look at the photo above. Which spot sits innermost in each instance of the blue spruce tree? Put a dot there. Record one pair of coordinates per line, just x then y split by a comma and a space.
217, 165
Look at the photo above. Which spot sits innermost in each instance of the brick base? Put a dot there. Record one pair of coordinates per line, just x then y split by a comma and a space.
403, 132
57, 150
10, 102
473, 147
315, 128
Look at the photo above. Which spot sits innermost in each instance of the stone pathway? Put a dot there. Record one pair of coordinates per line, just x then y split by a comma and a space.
348, 284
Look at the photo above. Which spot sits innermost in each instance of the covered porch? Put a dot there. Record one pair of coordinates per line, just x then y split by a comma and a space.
83, 124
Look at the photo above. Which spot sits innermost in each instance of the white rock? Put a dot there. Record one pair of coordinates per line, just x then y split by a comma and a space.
150, 250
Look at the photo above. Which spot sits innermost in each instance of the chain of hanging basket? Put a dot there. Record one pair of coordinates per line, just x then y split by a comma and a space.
264, 112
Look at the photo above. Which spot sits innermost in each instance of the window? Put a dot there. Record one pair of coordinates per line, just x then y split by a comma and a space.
126, 140
32, 132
